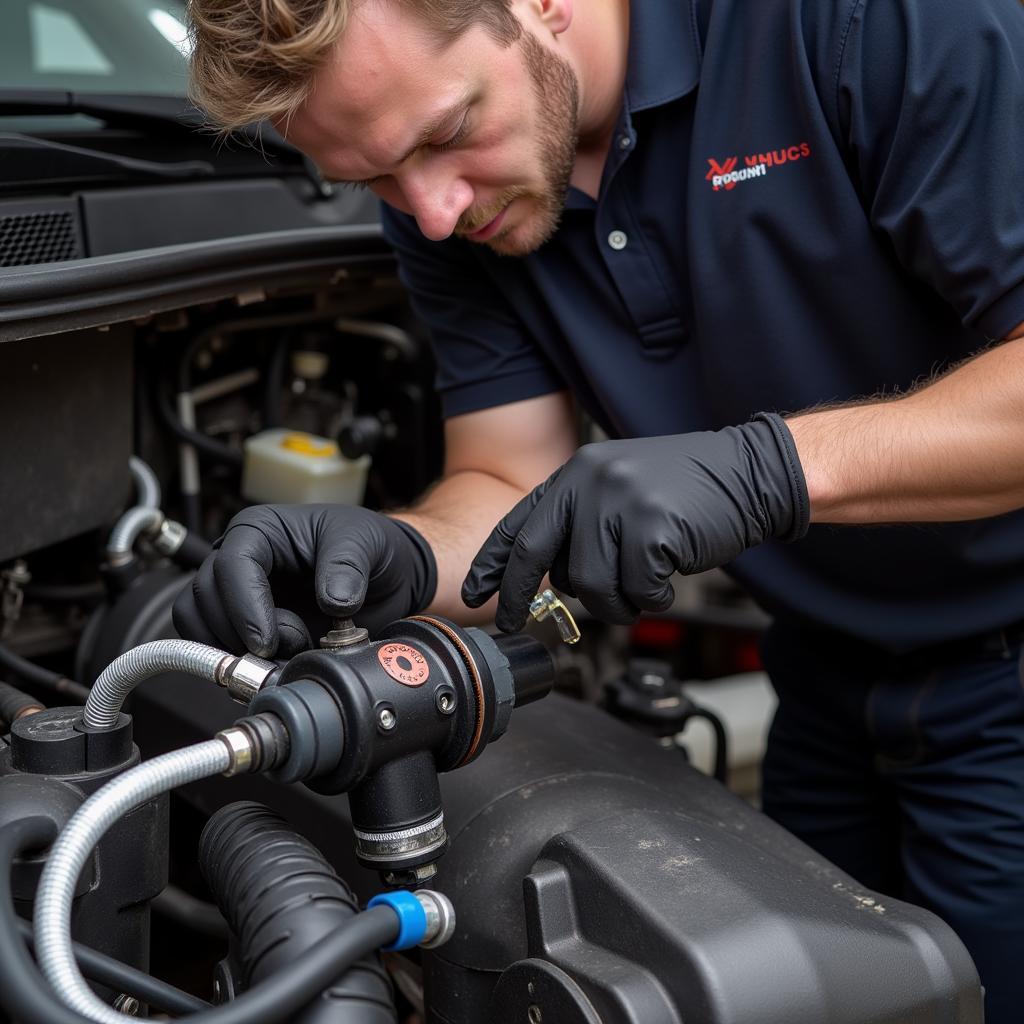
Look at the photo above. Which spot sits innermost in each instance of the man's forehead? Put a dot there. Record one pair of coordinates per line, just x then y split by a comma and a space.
387, 73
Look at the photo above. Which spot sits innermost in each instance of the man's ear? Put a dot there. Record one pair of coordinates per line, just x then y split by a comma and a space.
554, 15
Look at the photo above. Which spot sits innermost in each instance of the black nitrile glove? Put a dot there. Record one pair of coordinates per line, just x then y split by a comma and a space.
620, 517
281, 572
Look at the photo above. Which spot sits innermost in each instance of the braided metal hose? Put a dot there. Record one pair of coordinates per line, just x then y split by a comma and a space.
123, 674
74, 845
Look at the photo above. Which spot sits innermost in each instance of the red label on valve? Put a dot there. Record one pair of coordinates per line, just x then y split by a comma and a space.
404, 664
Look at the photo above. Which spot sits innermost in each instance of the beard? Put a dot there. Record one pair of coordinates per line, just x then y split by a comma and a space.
556, 89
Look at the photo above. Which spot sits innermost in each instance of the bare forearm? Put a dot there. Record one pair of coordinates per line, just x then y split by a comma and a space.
455, 517
948, 451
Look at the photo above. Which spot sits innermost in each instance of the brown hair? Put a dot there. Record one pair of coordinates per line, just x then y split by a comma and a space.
255, 59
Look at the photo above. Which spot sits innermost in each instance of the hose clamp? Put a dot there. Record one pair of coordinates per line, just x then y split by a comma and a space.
405, 844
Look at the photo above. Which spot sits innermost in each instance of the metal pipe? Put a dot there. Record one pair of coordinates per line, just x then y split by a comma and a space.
147, 486
223, 386
403, 341
74, 845
132, 525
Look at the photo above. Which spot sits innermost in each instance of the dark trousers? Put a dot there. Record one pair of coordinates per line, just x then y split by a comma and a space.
908, 773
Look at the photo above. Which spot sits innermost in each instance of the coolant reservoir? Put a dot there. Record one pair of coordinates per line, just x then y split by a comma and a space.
290, 466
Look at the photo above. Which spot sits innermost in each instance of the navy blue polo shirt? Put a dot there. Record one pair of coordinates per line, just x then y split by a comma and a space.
805, 201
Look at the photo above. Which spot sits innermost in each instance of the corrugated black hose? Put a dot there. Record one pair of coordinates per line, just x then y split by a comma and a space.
280, 896
27, 996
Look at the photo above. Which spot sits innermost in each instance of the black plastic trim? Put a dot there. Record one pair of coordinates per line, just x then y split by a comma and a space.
49, 298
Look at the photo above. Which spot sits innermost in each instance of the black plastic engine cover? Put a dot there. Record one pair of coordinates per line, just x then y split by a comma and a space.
662, 898
599, 879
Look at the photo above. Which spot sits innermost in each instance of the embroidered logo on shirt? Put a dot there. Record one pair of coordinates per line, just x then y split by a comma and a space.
723, 175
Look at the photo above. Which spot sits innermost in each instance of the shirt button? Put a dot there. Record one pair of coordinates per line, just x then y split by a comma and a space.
617, 240
625, 142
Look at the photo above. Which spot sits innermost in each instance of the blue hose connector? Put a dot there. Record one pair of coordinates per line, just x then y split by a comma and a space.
412, 918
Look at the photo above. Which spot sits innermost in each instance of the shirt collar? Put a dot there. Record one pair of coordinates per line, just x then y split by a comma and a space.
664, 52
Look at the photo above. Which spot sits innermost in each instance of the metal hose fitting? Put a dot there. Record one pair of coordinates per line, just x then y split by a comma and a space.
440, 917
132, 525
146, 519
123, 674
74, 845
244, 677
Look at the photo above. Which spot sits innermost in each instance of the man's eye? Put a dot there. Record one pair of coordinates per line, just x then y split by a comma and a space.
460, 134
359, 186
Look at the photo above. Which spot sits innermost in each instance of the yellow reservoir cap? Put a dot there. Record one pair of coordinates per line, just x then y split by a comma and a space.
309, 444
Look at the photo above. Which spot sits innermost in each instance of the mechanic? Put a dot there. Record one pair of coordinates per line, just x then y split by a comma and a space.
776, 251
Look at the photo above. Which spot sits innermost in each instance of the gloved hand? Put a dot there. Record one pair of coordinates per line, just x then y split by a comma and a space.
280, 572
620, 517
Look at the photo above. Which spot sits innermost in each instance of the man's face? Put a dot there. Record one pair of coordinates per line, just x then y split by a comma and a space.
469, 137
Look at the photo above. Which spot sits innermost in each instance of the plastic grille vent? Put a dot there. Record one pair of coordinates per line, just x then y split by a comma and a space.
46, 237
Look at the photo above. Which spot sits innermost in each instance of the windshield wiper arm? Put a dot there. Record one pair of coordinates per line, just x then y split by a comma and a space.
115, 108
150, 168
141, 110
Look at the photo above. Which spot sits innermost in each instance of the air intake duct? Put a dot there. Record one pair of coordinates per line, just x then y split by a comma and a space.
280, 896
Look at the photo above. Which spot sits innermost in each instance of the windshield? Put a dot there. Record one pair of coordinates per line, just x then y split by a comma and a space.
105, 46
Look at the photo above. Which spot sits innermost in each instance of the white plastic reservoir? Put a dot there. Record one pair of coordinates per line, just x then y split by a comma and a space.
293, 467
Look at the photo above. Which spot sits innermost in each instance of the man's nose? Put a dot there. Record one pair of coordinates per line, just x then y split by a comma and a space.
436, 200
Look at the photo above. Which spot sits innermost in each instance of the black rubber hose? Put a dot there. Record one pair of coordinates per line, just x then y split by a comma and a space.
70, 593
33, 673
721, 769
27, 997
207, 445
273, 378
122, 978
193, 551
184, 909
280, 896
13, 702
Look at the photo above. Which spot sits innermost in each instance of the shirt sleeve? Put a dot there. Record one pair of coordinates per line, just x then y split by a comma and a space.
485, 356
930, 104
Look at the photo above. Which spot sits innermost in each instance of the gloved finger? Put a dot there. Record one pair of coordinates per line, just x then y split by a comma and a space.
595, 572
242, 570
533, 552
187, 620
293, 633
485, 574
559, 572
646, 571
211, 609
346, 559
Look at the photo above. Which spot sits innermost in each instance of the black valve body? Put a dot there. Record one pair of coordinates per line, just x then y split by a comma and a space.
379, 720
